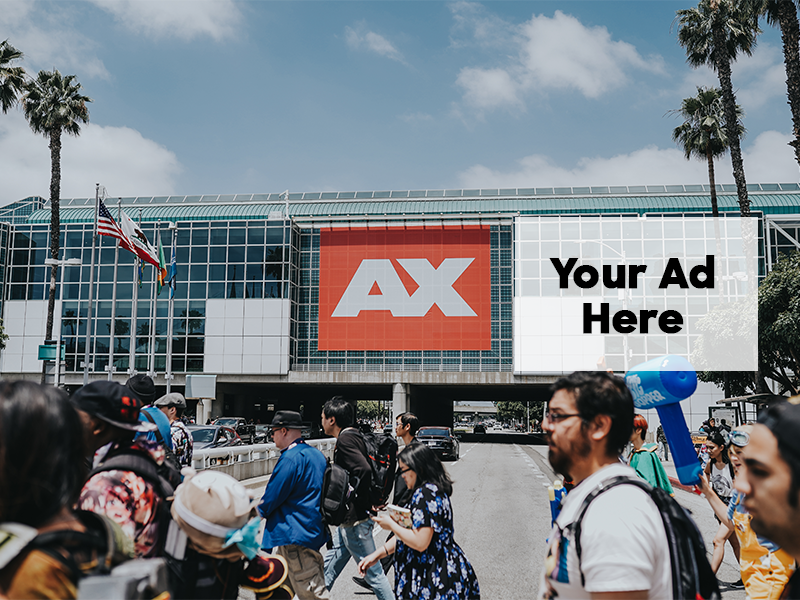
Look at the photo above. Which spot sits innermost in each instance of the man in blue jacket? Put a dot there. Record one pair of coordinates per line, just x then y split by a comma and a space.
291, 507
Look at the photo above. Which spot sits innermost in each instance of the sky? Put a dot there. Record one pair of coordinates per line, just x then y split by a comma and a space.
226, 97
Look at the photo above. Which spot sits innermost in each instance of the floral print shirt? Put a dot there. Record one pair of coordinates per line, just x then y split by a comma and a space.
127, 498
182, 443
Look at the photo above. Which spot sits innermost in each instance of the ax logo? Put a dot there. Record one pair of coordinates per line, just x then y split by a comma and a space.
377, 286
405, 288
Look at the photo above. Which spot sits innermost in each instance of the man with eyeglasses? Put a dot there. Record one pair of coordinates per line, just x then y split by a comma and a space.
625, 553
770, 479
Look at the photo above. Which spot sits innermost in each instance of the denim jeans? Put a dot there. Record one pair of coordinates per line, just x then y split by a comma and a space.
356, 542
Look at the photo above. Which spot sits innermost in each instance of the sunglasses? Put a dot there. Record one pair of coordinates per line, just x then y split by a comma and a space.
740, 439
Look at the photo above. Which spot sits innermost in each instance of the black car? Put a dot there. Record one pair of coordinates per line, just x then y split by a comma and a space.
479, 429
441, 440
213, 436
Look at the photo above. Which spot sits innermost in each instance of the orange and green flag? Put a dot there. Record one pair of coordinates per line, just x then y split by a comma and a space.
162, 266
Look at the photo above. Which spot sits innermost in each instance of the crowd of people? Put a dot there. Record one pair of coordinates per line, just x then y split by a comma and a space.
120, 486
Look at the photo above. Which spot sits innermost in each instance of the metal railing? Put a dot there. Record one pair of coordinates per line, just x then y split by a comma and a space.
261, 458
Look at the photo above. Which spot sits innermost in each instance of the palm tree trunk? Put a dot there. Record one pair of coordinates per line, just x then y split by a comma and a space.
712, 182
790, 34
55, 223
723, 64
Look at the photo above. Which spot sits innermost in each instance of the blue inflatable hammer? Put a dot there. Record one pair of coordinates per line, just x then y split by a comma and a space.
662, 383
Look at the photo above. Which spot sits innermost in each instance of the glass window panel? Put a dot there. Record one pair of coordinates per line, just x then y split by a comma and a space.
235, 254
235, 290
72, 291
197, 290
253, 289
199, 236
255, 254
124, 309
105, 291
179, 325
255, 236
216, 290
195, 345
40, 239
181, 255
200, 272
18, 292
182, 237
125, 290
20, 257
107, 256
126, 273
218, 254
161, 361
273, 290
38, 274
178, 345
178, 364
194, 364
106, 274
235, 272
237, 236
219, 237
273, 271
200, 255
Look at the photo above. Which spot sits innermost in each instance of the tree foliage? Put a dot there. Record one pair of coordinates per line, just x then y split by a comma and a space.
778, 334
508, 410
713, 34
371, 409
12, 78
702, 134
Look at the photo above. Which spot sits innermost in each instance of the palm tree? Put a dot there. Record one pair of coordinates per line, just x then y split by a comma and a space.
12, 79
784, 14
713, 34
54, 105
702, 134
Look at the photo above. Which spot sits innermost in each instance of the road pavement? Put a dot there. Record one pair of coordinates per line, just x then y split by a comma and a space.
502, 519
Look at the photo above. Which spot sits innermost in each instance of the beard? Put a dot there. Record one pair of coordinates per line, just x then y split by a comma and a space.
561, 456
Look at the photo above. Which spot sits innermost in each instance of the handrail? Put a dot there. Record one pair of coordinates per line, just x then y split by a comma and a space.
204, 459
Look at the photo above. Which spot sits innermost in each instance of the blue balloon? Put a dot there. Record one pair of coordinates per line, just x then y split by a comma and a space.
662, 383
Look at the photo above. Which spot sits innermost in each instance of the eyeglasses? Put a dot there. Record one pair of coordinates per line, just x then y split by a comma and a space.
556, 417
406, 470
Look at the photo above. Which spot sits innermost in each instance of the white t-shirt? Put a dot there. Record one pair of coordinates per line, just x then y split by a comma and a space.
624, 546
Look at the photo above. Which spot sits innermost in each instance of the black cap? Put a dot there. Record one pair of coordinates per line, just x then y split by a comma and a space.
113, 403
143, 387
783, 420
287, 418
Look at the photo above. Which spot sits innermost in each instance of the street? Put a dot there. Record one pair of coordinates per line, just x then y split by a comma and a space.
502, 519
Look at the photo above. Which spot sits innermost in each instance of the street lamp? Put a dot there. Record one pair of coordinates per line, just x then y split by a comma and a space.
69, 262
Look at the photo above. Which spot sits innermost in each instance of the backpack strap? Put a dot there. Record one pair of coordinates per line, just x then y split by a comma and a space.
577, 524
149, 417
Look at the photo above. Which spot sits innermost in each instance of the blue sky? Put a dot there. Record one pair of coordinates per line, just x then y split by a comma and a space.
239, 97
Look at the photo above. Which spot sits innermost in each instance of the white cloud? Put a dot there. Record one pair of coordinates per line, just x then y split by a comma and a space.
474, 25
552, 53
48, 39
767, 160
119, 158
184, 19
358, 39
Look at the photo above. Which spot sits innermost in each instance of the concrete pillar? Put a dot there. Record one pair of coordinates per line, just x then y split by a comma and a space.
400, 400
204, 410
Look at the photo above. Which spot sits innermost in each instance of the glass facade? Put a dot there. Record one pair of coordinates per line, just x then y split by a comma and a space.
308, 357
218, 259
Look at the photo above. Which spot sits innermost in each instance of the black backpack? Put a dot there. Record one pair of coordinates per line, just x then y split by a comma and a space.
692, 576
337, 491
382, 459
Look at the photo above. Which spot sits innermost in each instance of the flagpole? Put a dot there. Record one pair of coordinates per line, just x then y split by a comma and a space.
134, 315
168, 374
89, 337
113, 327
154, 305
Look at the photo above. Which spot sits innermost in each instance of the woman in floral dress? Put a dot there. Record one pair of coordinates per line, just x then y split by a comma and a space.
428, 562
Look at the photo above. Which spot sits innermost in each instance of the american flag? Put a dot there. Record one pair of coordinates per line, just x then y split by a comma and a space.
106, 225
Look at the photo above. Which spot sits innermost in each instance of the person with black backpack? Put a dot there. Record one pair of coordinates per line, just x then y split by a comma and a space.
127, 481
353, 538
46, 546
615, 535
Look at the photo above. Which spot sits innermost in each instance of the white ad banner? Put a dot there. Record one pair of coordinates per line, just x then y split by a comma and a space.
613, 292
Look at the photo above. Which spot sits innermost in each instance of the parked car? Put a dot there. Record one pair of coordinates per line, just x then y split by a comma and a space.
263, 434
479, 428
213, 436
246, 431
441, 440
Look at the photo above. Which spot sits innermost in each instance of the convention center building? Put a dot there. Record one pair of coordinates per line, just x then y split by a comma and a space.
422, 297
